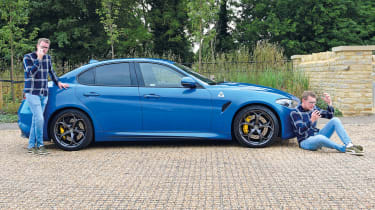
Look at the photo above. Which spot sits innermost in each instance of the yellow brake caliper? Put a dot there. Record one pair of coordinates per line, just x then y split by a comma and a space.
245, 128
62, 131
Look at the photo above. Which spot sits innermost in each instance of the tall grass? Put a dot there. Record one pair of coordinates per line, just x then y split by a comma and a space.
264, 65
8, 105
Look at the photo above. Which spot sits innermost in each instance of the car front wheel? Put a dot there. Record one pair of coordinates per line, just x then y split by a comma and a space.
255, 126
71, 130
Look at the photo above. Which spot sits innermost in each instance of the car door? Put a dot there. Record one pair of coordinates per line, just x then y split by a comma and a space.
111, 94
167, 106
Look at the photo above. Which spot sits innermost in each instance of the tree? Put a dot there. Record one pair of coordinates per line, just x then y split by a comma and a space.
77, 32
73, 29
109, 13
224, 42
366, 12
135, 36
12, 39
168, 23
306, 26
202, 16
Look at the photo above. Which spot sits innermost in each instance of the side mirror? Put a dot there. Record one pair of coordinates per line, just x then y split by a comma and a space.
188, 82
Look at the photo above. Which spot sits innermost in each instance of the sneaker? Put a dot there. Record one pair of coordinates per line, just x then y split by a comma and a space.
42, 151
32, 150
354, 151
358, 147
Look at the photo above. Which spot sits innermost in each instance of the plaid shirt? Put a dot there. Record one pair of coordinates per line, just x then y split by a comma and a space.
303, 127
36, 80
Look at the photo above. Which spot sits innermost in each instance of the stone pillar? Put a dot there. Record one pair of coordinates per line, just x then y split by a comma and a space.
296, 61
354, 87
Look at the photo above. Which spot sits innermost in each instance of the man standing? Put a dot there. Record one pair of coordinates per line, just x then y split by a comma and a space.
36, 66
304, 119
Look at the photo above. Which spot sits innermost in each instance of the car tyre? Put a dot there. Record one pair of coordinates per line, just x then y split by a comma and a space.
71, 130
255, 126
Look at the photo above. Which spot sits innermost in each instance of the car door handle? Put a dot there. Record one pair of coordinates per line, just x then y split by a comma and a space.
91, 94
151, 96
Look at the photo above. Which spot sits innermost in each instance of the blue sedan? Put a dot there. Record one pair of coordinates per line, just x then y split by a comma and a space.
153, 99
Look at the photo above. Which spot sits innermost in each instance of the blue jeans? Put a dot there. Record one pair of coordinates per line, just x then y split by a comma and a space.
322, 138
37, 105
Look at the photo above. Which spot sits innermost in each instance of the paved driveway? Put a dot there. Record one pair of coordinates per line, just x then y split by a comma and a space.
188, 175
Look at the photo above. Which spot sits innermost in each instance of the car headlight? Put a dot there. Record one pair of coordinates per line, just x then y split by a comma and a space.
290, 103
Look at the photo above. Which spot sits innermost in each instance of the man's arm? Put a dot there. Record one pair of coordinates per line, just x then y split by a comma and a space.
54, 77
330, 110
299, 124
327, 113
51, 72
29, 66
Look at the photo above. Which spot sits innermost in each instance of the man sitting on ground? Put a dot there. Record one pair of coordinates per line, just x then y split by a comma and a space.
304, 120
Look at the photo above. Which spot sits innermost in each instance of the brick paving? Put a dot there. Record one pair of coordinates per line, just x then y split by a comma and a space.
187, 175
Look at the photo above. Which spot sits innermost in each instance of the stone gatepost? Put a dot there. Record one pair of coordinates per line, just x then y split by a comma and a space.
347, 73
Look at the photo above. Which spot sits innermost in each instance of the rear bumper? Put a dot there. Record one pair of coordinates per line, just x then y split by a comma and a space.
24, 119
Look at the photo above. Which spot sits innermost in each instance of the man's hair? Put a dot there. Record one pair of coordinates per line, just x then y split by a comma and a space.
44, 40
306, 94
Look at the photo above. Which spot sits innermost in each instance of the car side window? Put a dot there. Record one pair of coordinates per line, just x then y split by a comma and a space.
87, 77
117, 74
155, 75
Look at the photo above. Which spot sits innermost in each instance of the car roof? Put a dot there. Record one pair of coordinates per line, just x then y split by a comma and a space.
132, 59
94, 63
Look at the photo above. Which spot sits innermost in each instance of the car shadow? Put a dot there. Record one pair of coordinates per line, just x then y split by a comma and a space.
165, 143
187, 143
175, 143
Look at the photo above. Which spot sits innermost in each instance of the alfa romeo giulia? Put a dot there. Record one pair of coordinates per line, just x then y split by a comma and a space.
154, 99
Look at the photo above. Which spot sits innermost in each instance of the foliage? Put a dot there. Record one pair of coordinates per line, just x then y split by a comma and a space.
8, 118
12, 40
125, 22
202, 15
306, 26
109, 13
81, 29
223, 39
265, 66
168, 21
266, 52
72, 27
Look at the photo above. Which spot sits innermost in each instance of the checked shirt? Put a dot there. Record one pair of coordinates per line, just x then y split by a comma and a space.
303, 127
36, 77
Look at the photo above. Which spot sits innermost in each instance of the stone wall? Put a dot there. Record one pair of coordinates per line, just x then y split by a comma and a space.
346, 72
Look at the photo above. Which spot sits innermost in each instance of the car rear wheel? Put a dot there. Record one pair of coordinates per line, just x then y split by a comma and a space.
255, 126
71, 130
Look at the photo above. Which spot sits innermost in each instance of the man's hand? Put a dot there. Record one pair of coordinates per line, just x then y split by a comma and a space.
315, 116
40, 53
63, 85
327, 98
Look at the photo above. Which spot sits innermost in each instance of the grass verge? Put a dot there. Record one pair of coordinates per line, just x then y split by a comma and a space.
8, 118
